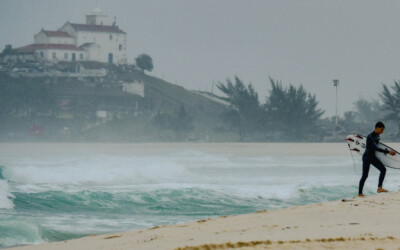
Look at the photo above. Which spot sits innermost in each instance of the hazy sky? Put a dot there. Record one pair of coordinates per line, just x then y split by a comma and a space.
194, 43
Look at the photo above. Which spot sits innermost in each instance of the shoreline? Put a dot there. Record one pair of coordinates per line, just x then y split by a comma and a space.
349, 223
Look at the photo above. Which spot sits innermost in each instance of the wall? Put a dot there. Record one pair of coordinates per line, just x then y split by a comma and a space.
97, 19
134, 88
48, 55
67, 27
41, 37
106, 45
19, 57
62, 40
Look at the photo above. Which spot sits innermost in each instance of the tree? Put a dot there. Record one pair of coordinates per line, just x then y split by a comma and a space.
144, 62
8, 50
391, 103
292, 111
180, 122
245, 113
350, 123
368, 111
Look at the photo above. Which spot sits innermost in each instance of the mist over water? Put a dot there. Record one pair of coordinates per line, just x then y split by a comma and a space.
62, 191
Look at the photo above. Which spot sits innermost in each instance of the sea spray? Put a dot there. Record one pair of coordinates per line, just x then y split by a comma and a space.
5, 195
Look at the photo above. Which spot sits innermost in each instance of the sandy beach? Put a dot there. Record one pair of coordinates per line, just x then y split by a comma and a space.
362, 223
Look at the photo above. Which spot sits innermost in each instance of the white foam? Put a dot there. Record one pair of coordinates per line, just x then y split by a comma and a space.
5, 195
253, 176
21, 231
99, 170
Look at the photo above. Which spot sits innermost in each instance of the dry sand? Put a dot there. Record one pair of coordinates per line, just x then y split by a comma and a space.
358, 223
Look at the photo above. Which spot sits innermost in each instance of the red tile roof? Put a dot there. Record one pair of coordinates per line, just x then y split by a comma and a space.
97, 28
56, 33
33, 47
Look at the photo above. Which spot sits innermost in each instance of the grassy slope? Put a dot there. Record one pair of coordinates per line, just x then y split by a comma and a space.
166, 98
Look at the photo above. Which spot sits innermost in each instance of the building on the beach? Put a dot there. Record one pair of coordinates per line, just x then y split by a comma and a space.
93, 41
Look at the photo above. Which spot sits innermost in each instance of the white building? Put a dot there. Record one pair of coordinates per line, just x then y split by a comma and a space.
54, 37
93, 41
55, 52
103, 43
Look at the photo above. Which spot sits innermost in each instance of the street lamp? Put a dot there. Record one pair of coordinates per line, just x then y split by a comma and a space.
336, 85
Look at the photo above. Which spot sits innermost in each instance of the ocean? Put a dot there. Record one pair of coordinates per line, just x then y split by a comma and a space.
54, 192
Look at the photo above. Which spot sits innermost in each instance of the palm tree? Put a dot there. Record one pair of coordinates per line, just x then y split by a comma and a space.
391, 102
246, 114
293, 111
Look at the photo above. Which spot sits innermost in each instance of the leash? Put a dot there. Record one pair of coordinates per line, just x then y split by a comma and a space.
354, 162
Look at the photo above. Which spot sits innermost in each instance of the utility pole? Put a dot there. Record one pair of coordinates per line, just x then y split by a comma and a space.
336, 85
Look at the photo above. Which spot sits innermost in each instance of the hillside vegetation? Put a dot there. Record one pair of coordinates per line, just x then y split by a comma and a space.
67, 109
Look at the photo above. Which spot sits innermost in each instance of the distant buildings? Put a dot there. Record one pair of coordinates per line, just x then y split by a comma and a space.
93, 41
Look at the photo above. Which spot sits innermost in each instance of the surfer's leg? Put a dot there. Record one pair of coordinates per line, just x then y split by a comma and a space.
364, 176
378, 164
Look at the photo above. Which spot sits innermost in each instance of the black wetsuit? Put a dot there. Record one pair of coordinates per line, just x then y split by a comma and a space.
369, 158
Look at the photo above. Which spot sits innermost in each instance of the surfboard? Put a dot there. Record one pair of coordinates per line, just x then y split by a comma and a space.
357, 143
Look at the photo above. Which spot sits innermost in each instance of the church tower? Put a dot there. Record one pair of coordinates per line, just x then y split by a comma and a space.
97, 17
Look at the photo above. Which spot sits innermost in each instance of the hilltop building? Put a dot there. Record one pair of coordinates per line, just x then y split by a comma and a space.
93, 41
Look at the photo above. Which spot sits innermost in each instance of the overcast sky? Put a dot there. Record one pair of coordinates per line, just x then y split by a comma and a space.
194, 43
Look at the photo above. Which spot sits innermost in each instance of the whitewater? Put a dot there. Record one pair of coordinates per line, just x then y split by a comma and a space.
53, 192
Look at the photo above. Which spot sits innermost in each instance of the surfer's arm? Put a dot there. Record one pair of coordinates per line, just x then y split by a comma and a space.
385, 151
371, 142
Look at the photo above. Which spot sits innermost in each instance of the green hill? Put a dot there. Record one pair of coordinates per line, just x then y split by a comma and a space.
45, 108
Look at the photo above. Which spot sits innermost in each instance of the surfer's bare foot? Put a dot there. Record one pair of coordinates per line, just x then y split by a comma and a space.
381, 190
361, 195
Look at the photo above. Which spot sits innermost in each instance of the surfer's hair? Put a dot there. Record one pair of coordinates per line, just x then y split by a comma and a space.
379, 125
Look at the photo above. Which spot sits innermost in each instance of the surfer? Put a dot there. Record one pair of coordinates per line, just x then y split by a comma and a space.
369, 158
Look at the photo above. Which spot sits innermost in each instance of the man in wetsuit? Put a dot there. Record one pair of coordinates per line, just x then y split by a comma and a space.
369, 158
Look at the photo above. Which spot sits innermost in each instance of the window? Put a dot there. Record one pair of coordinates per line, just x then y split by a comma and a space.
54, 55
81, 56
65, 55
120, 47
41, 54
110, 37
